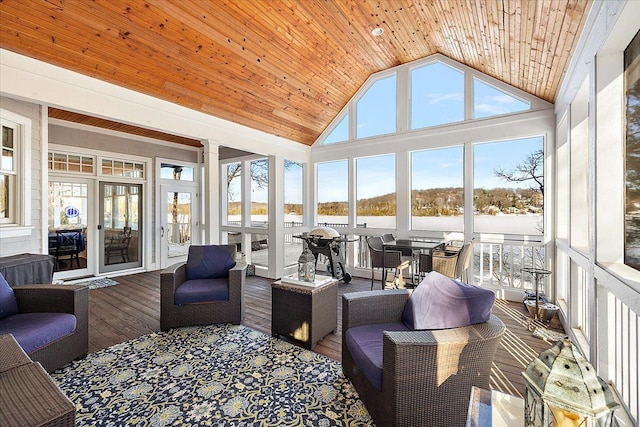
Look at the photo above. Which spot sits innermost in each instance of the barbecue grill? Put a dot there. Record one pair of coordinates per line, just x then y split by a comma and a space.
327, 242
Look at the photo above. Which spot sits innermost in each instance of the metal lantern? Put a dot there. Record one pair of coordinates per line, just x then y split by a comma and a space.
306, 264
563, 390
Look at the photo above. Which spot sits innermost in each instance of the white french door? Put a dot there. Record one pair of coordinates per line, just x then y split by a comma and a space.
70, 205
120, 231
177, 222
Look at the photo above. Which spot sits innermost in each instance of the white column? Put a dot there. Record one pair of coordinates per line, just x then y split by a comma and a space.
44, 178
211, 199
276, 216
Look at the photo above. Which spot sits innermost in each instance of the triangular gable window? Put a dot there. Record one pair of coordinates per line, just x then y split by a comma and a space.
489, 101
340, 132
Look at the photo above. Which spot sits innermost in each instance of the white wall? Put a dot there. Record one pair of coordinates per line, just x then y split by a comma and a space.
31, 241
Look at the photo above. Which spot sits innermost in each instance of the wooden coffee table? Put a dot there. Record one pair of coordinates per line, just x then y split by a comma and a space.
304, 314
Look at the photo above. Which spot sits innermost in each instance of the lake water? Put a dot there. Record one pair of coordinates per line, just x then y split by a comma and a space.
530, 224
500, 224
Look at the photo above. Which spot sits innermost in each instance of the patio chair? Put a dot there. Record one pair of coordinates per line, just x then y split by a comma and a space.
67, 243
392, 260
118, 246
208, 288
451, 263
414, 358
49, 322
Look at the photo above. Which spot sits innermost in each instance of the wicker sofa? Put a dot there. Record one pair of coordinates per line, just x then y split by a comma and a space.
427, 375
208, 309
71, 299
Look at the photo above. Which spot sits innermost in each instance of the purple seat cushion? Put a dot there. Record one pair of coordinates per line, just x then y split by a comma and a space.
365, 346
8, 303
442, 303
202, 290
208, 262
35, 330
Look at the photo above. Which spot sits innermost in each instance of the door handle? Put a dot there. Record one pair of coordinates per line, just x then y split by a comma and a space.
161, 231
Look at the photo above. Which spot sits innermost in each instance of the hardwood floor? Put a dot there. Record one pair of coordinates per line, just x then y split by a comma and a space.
132, 308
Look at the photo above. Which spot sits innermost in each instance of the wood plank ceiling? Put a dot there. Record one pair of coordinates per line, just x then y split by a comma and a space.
287, 67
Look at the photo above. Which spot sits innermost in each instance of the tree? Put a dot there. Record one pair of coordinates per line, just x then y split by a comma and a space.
531, 169
259, 172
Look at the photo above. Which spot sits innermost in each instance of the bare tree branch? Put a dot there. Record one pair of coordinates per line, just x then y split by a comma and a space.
531, 169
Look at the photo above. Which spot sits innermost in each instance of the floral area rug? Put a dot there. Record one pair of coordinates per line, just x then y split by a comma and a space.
219, 375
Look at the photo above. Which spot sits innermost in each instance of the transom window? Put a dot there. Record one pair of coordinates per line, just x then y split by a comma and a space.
63, 162
122, 168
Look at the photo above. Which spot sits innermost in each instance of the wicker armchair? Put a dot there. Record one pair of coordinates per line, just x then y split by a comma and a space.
450, 262
426, 375
73, 299
228, 310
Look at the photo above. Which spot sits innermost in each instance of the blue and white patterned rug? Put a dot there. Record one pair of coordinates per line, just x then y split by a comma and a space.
218, 375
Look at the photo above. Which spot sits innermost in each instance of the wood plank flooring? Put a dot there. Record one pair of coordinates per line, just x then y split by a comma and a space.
132, 308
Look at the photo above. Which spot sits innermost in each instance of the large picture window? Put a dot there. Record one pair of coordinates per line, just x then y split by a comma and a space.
333, 192
632, 205
376, 191
437, 194
260, 193
234, 193
293, 192
508, 189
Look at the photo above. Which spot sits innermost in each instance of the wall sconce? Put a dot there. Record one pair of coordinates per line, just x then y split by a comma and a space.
563, 390
306, 264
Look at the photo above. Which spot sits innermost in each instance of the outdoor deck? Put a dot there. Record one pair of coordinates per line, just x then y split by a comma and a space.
131, 309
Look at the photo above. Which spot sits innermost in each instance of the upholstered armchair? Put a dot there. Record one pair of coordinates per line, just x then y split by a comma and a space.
413, 359
49, 322
208, 288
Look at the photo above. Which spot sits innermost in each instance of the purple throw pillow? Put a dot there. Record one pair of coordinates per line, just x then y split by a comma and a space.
208, 262
8, 302
442, 303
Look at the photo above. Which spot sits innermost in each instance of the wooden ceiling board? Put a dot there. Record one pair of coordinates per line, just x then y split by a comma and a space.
70, 116
287, 67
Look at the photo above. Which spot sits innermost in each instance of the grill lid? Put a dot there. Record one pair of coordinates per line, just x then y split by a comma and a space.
324, 233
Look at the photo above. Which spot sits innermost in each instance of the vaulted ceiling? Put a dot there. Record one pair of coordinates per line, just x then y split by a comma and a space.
287, 67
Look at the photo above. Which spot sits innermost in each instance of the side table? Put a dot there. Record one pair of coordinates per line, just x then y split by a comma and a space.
28, 395
304, 314
492, 408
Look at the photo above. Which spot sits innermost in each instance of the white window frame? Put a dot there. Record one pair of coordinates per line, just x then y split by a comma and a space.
19, 224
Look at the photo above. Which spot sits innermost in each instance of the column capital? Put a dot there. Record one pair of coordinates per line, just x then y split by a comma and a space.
210, 145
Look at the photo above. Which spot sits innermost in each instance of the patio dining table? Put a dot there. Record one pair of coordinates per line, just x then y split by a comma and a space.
413, 245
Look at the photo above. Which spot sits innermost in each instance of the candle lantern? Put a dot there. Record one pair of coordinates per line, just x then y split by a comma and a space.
306, 264
563, 390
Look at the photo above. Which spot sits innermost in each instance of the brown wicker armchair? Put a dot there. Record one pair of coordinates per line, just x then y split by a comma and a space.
426, 375
73, 299
228, 310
